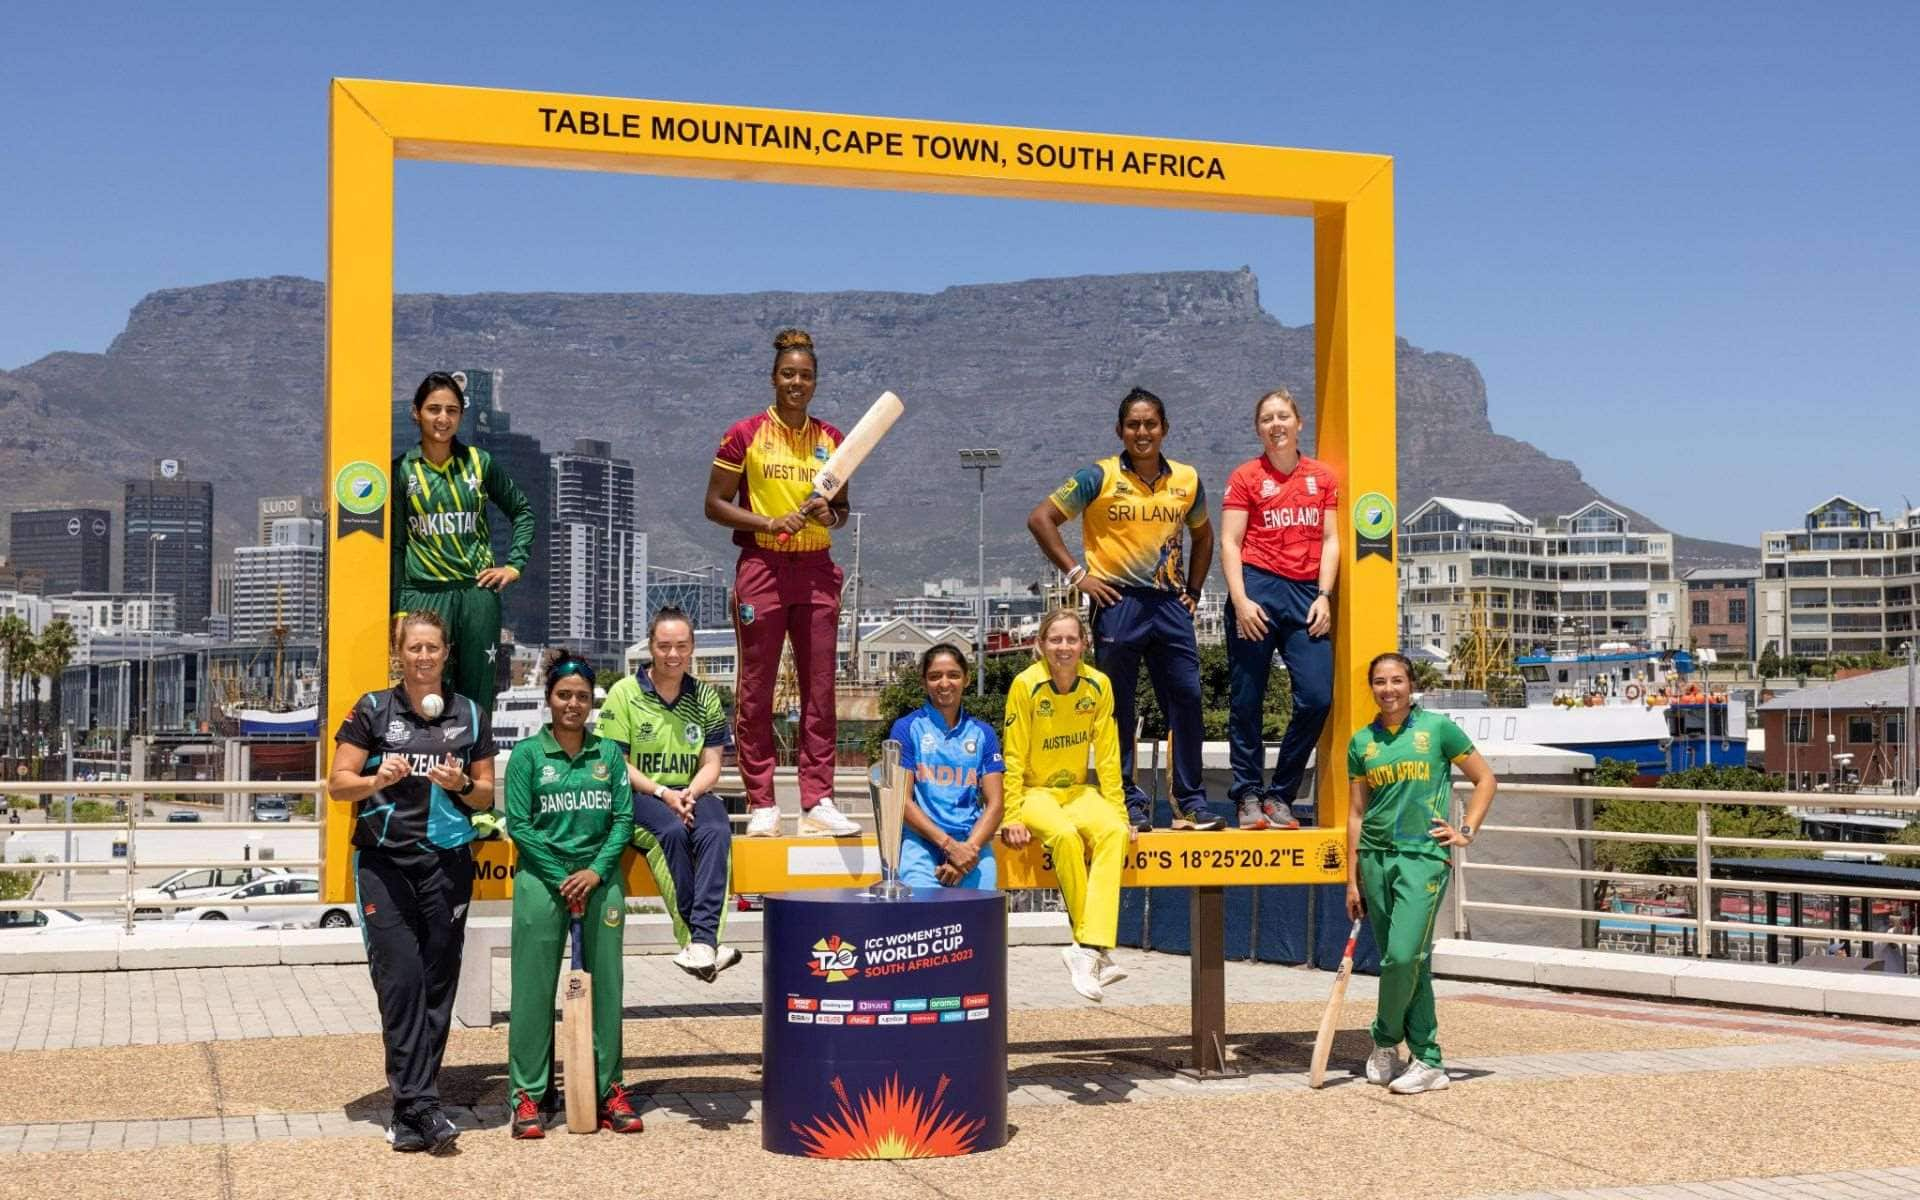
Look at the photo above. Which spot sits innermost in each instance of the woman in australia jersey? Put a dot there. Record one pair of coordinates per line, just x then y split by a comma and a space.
785, 585
1280, 552
1133, 509
442, 552
1398, 860
673, 730
1058, 710
957, 771
414, 782
570, 813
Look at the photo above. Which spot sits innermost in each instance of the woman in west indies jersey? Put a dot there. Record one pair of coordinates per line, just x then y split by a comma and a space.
1280, 552
673, 730
415, 782
785, 585
1398, 865
1057, 710
1133, 508
442, 555
957, 771
570, 814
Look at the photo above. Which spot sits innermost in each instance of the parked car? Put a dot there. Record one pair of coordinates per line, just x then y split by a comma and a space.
195, 883
240, 904
272, 808
184, 815
50, 920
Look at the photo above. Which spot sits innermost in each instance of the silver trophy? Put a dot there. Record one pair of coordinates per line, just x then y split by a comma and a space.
891, 790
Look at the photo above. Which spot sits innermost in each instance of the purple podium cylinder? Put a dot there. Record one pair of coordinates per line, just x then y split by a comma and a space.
884, 1032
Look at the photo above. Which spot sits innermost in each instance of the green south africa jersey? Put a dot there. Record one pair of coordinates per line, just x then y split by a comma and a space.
664, 740
1409, 774
565, 813
440, 532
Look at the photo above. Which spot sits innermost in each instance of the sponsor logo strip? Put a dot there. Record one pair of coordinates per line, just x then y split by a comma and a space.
893, 1018
802, 1003
840, 1006
829, 1019
800, 1018
977, 1000
955, 1015
862, 1019
879, 1005
924, 1018
910, 1006
978, 1014
943, 1003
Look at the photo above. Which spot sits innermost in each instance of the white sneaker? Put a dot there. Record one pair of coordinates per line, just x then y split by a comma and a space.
824, 818
1084, 965
1382, 1065
723, 957
764, 821
696, 959
1110, 972
1417, 1078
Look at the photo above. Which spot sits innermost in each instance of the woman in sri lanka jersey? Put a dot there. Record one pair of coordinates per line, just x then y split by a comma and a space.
957, 771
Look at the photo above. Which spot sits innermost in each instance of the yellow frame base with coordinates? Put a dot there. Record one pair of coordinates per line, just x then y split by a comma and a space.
1349, 198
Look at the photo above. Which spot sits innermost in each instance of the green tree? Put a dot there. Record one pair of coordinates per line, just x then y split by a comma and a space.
1910, 836
51, 653
1427, 677
1770, 664
1627, 815
18, 885
16, 646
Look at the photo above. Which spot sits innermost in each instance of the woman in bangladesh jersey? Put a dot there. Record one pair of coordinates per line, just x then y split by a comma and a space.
672, 730
1058, 710
1398, 860
570, 814
957, 771
442, 552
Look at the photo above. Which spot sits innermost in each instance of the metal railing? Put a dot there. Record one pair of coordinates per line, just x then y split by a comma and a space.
128, 826
1701, 884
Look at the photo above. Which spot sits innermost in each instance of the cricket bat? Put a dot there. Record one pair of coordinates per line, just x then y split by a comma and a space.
854, 448
1323, 1044
576, 1039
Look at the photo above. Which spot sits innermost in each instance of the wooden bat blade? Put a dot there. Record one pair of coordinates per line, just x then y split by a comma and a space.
859, 442
1329, 1022
576, 1052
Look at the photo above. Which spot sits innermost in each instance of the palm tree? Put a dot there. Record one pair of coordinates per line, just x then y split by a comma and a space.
51, 653
16, 646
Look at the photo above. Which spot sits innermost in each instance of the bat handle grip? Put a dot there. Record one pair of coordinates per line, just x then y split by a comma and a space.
577, 951
1353, 936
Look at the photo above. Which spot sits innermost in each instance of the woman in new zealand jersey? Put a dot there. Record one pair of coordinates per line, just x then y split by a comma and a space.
785, 586
442, 555
570, 813
1398, 860
415, 779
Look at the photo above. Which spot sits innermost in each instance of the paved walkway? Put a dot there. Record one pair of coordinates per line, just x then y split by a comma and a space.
266, 1081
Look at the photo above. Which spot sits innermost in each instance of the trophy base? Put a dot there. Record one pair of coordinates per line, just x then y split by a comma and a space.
888, 889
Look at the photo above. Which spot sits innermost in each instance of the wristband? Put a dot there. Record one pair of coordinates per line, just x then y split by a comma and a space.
1075, 574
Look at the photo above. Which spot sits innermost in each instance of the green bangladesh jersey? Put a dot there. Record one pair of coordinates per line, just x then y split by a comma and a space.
440, 532
566, 813
1409, 774
664, 740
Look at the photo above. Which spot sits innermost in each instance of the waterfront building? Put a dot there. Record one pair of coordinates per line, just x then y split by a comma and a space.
597, 560
1843, 583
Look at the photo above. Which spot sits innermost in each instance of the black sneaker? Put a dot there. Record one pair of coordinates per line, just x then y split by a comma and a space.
1139, 816
403, 1137
438, 1129
1197, 816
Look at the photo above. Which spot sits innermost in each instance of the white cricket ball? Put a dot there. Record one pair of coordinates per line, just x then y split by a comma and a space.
431, 705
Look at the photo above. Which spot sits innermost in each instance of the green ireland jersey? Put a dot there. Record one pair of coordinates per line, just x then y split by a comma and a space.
440, 532
1409, 774
568, 812
664, 740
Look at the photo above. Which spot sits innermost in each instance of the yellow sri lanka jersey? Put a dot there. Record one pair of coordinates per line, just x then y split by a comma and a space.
1131, 529
776, 464
1049, 732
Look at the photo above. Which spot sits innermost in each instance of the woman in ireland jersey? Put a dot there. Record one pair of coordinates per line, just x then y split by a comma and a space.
1398, 860
672, 730
442, 552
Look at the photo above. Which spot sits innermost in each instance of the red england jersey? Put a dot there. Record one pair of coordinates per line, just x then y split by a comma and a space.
1286, 514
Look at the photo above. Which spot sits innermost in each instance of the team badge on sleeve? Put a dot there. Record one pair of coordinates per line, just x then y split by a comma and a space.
746, 614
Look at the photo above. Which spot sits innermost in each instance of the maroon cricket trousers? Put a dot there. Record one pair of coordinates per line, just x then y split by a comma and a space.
777, 596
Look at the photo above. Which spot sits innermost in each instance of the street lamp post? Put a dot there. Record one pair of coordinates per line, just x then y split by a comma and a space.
981, 460
153, 602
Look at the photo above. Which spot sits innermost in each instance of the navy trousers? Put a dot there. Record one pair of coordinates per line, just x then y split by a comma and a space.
1152, 624
1309, 664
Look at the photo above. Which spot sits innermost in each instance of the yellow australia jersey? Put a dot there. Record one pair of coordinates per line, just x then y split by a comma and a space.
1131, 529
1049, 733
776, 464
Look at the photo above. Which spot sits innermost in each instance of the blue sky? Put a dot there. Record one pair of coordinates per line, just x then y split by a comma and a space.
1679, 241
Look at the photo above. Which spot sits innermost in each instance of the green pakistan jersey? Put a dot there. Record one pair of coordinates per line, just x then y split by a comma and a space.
568, 812
664, 740
1409, 774
440, 532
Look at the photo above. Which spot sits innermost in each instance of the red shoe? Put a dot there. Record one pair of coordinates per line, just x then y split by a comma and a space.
526, 1118
616, 1113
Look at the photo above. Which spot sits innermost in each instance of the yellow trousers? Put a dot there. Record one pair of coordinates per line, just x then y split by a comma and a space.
1075, 824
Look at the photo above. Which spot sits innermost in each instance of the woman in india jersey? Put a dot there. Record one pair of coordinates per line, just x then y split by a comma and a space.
1280, 553
1058, 710
442, 548
570, 814
785, 586
672, 730
1399, 862
1134, 507
413, 781
957, 771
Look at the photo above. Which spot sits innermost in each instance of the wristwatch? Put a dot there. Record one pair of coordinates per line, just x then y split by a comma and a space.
1466, 831
468, 789
1192, 594
1325, 594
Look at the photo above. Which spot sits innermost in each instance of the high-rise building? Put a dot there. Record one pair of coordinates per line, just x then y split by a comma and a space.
488, 425
168, 541
1846, 582
598, 561
72, 547
273, 508
282, 584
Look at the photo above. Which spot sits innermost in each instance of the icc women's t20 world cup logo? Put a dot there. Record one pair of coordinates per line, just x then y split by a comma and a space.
834, 960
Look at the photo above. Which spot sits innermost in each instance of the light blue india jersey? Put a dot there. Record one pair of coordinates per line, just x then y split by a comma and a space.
947, 765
